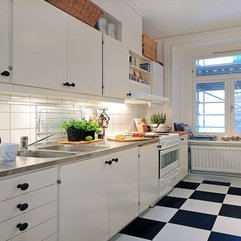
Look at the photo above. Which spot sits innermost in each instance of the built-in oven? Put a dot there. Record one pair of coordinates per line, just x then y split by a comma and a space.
169, 166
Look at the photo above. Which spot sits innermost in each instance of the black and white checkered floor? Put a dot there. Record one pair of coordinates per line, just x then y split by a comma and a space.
196, 210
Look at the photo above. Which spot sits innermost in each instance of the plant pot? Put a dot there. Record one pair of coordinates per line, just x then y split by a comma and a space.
74, 134
160, 128
90, 133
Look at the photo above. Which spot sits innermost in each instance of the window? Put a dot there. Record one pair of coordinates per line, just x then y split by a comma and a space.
210, 107
218, 95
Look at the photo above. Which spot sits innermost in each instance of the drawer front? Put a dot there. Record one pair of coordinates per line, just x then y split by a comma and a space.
43, 232
12, 187
9, 229
25, 203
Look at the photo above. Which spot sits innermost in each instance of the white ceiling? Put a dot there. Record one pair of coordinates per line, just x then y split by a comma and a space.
167, 18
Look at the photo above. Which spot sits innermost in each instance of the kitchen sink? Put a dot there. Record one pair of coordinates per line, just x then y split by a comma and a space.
43, 154
73, 148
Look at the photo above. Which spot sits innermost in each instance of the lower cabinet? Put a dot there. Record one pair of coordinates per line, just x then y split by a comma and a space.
148, 175
183, 156
98, 197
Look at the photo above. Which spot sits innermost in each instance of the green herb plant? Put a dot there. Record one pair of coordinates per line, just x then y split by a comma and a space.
158, 118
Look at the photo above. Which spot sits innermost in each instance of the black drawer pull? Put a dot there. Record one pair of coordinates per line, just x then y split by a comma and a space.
108, 162
22, 207
22, 226
115, 159
5, 73
23, 186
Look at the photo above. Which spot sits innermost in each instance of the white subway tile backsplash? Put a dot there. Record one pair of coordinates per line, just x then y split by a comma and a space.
20, 108
15, 135
20, 121
4, 121
4, 108
5, 136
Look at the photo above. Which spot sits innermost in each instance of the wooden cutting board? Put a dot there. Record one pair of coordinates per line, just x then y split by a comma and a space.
128, 139
79, 142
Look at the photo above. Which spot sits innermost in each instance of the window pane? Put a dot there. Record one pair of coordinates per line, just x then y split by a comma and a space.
237, 106
218, 66
210, 107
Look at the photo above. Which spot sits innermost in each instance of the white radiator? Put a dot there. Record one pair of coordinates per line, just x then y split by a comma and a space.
216, 159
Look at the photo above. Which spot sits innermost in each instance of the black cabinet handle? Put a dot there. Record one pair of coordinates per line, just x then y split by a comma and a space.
108, 162
129, 94
68, 84
23, 186
5, 73
115, 159
22, 226
22, 207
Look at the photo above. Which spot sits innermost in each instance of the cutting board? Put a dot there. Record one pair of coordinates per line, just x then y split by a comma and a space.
79, 142
128, 139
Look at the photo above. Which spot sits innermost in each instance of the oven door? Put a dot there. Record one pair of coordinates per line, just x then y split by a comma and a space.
168, 160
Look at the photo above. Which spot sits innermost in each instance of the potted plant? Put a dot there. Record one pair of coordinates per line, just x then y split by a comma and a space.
158, 123
75, 129
92, 127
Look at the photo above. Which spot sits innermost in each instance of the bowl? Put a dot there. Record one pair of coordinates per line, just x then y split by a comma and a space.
160, 128
235, 138
226, 138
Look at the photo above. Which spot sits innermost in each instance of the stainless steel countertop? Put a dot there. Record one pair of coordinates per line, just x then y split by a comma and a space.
24, 164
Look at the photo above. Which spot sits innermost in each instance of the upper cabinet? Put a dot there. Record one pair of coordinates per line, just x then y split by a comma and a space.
84, 57
39, 44
115, 68
5, 40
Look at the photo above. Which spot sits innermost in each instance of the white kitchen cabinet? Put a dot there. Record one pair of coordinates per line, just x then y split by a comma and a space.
39, 44
84, 200
115, 68
123, 189
148, 175
183, 156
98, 199
84, 57
157, 79
5, 9
28, 205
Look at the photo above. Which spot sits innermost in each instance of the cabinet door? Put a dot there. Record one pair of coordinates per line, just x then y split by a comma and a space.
84, 58
115, 68
123, 189
4, 42
157, 79
148, 175
83, 203
183, 157
39, 44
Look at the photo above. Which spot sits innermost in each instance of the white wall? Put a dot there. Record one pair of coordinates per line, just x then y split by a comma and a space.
178, 58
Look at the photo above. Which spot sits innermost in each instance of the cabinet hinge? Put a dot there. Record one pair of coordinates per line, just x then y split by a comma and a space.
59, 181
139, 155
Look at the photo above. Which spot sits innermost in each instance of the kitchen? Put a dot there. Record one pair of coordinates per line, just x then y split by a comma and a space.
55, 68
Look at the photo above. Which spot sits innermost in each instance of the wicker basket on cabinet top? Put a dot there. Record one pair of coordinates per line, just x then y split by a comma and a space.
149, 47
84, 10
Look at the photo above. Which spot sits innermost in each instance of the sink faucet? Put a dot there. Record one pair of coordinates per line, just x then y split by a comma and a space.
24, 141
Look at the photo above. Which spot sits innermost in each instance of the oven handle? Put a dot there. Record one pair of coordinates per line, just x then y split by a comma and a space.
168, 148
171, 174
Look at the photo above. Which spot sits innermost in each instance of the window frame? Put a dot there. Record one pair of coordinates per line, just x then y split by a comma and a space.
228, 80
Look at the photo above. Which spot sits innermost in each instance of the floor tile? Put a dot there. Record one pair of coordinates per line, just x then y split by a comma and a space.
194, 219
171, 202
234, 191
212, 188
193, 178
232, 199
159, 213
217, 183
236, 183
124, 237
208, 196
143, 228
181, 192
227, 225
173, 232
202, 206
223, 237
188, 185
230, 211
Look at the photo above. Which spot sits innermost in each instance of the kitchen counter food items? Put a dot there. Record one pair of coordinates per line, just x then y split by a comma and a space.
25, 163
